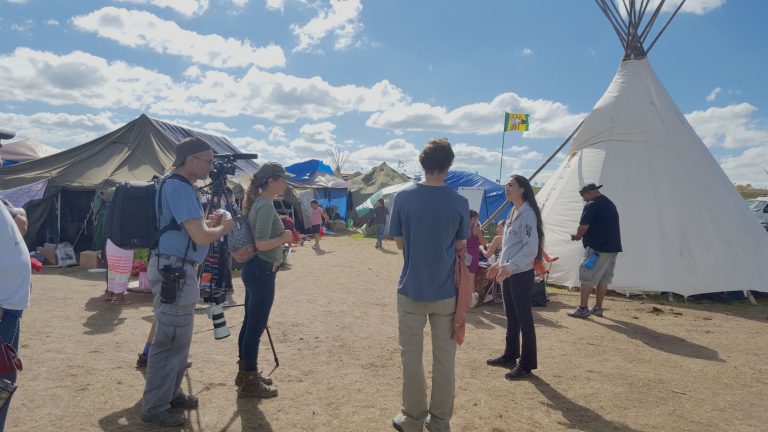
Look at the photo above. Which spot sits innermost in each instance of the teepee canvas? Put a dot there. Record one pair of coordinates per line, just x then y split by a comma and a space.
684, 227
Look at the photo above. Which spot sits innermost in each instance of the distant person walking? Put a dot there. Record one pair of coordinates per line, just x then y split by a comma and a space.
522, 245
380, 213
316, 219
600, 234
430, 221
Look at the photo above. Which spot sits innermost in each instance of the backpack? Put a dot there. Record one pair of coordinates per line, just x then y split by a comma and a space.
240, 240
130, 220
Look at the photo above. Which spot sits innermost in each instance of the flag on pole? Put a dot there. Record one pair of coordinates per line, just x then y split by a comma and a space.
515, 122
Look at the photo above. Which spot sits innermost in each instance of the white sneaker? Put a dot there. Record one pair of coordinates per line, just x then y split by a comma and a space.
475, 299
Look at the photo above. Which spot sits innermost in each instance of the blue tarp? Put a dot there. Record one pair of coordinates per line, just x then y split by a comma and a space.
304, 171
327, 197
493, 197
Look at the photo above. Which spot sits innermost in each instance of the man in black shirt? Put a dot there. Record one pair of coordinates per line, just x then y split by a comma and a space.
599, 233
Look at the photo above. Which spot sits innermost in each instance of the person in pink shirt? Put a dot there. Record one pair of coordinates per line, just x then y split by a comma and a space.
316, 219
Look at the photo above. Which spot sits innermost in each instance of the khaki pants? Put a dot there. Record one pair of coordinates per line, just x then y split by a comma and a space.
412, 318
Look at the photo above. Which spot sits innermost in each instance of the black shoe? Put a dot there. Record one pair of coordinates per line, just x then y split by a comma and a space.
185, 402
502, 362
517, 373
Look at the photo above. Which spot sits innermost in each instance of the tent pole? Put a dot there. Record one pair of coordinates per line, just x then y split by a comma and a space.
58, 217
506, 203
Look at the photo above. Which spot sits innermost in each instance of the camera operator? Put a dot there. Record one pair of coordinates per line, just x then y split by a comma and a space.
173, 277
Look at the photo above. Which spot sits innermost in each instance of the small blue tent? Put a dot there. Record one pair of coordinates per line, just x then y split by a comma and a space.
315, 176
493, 195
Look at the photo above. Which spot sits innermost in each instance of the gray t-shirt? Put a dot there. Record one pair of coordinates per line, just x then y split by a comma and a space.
430, 219
266, 224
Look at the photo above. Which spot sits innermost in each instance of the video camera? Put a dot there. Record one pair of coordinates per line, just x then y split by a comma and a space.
224, 164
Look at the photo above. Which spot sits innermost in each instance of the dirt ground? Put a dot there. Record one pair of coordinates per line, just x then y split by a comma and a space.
646, 366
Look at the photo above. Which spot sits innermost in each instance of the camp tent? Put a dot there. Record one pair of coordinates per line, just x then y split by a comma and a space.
143, 148
490, 194
314, 180
375, 180
684, 227
22, 151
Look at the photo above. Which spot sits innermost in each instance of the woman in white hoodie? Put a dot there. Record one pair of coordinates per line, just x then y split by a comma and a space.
522, 244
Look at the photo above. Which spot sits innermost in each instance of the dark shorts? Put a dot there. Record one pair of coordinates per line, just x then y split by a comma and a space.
315, 229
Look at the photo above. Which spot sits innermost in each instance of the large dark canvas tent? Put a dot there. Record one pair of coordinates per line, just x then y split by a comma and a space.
137, 151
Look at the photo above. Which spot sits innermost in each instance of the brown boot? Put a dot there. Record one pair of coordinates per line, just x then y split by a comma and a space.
253, 387
239, 378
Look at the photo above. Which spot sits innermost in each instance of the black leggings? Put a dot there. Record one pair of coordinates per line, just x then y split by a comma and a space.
517, 304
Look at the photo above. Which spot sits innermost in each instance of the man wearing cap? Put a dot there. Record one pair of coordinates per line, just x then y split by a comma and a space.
599, 233
183, 248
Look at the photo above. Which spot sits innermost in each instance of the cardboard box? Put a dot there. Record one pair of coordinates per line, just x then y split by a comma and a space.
49, 255
90, 260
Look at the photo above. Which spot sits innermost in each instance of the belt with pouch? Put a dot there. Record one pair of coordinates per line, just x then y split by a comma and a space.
178, 259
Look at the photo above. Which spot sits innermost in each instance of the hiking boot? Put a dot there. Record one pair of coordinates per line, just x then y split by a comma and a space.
502, 362
182, 401
239, 378
597, 311
253, 387
141, 362
580, 312
517, 373
164, 419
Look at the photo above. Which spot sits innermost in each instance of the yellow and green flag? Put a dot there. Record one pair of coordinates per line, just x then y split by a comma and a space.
515, 122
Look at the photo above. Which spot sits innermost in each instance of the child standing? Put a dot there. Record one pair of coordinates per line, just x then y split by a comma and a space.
316, 220
380, 213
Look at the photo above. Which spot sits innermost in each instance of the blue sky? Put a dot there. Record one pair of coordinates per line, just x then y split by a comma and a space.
290, 78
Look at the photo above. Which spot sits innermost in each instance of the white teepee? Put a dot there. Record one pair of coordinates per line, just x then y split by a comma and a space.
684, 227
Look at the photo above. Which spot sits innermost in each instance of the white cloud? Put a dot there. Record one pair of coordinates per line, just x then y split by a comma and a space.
192, 72
549, 119
143, 29
52, 22
60, 130
474, 158
713, 95
259, 127
696, 7
278, 134
390, 152
17, 1
342, 20
319, 133
732, 126
275, 5
527, 51
275, 96
91, 81
218, 127
266, 151
240, 3
79, 78
23, 26
748, 167
184, 7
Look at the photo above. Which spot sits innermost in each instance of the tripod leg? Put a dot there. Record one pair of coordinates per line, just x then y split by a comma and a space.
271, 344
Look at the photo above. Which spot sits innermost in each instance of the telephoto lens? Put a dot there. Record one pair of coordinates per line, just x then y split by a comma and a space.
216, 314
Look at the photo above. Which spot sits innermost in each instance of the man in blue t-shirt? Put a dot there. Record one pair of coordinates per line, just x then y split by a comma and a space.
429, 222
183, 245
600, 234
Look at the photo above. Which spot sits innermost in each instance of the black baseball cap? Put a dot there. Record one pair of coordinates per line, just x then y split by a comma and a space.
589, 187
